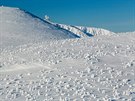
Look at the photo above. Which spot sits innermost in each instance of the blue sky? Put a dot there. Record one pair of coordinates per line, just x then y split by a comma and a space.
114, 15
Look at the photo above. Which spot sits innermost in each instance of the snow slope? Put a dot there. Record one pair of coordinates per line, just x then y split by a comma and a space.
100, 68
95, 31
73, 29
86, 31
18, 27
88, 69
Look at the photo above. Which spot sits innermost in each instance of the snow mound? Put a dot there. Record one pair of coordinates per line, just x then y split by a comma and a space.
19, 27
85, 31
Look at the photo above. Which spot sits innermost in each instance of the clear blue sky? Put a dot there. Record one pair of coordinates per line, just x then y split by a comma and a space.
114, 15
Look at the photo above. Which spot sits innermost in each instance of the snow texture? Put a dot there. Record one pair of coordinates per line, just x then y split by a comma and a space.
42, 61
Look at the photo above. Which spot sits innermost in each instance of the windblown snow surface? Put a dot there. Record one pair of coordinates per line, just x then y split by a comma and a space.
98, 68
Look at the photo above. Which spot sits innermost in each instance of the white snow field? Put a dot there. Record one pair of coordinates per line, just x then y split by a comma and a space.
41, 61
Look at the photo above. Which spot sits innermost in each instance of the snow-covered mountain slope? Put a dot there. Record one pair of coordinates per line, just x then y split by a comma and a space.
18, 27
85, 31
74, 29
95, 31
100, 68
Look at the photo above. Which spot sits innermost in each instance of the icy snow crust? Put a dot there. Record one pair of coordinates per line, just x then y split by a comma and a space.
99, 68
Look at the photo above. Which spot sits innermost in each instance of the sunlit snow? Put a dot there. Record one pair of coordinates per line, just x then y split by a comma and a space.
44, 61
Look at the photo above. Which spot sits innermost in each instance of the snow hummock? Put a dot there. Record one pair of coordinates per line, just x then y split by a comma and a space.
98, 68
